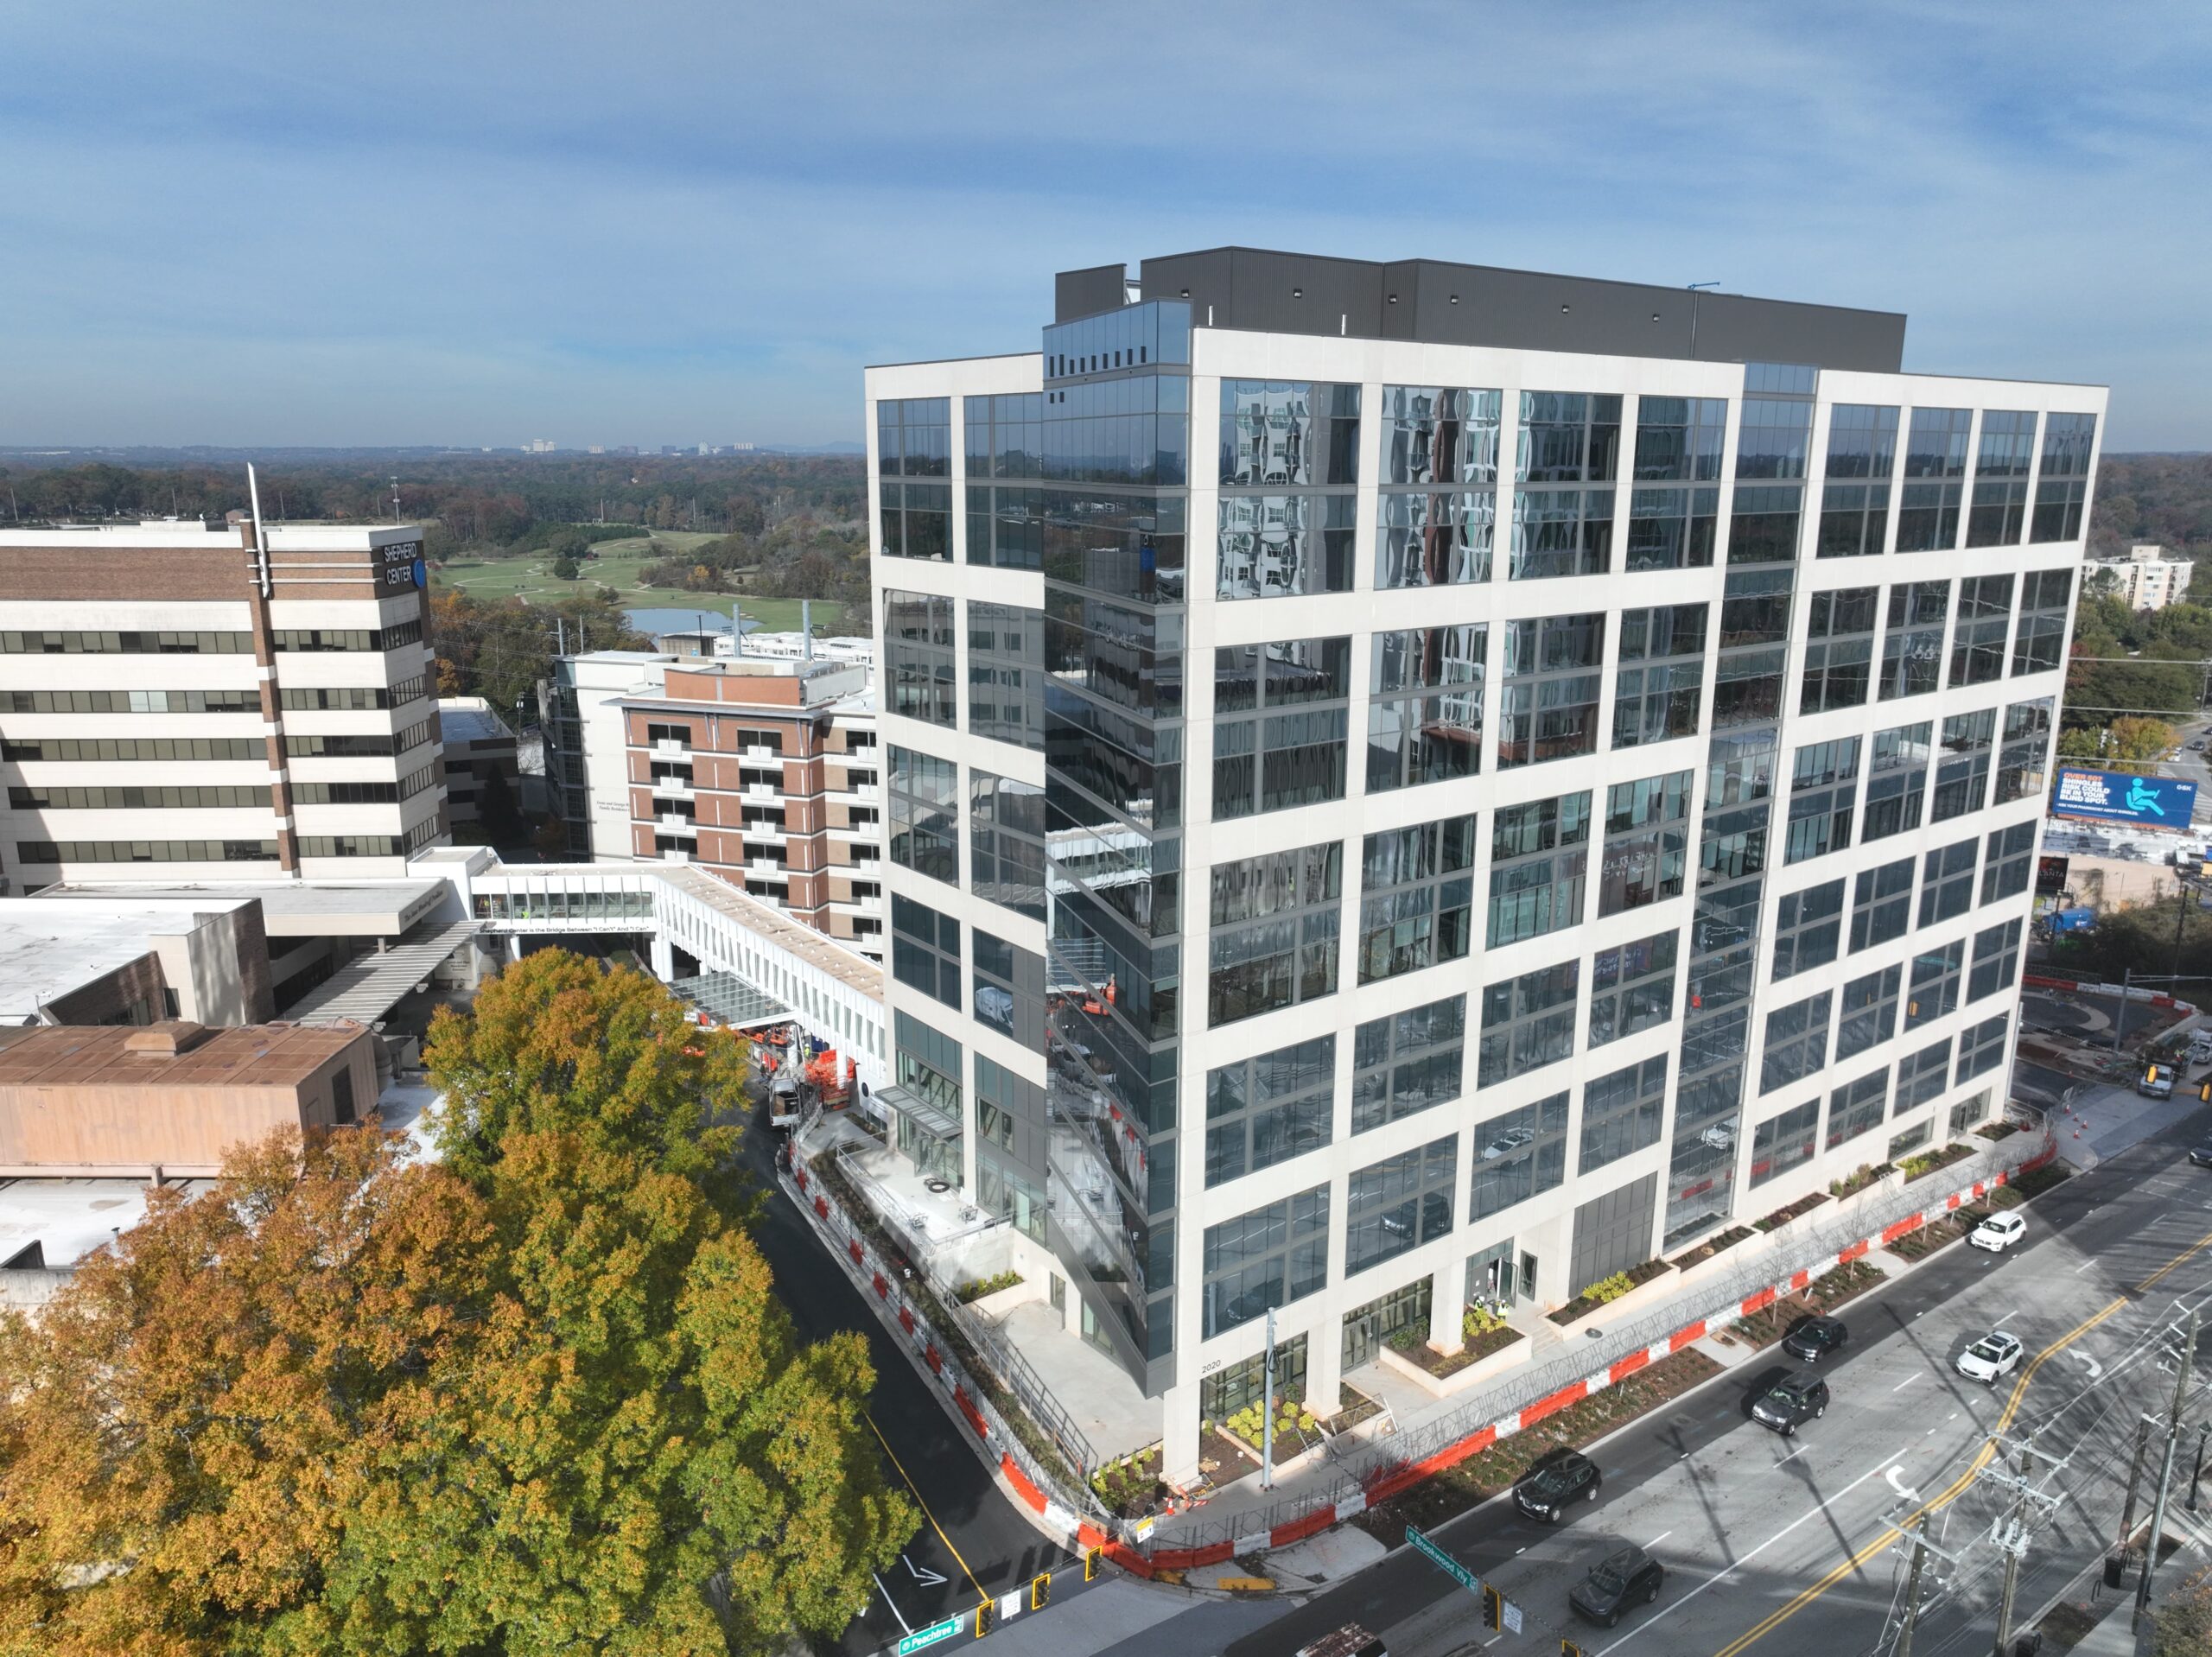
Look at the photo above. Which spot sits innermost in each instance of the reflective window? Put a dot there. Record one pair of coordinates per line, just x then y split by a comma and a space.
1549, 701
1274, 924
1762, 522
1568, 437
1408, 1063
1999, 515
1928, 514
1288, 433
1781, 1143
1660, 697
1679, 439
1859, 1108
1672, 529
924, 800
1897, 782
1560, 532
1808, 929
1932, 990
1947, 883
925, 951
1267, 1258
1268, 1109
1747, 687
2011, 857
1280, 716
1995, 960
1008, 985
1647, 842
1438, 435
914, 437
1962, 776
1838, 648
1922, 1075
917, 657
1796, 1042
1400, 1202
1437, 539
1539, 862
1869, 1012
2045, 597
1632, 987
1006, 841
1622, 1113
1912, 649
2063, 488
1417, 897
2022, 762
1280, 546
1985, 623
1425, 707
1823, 793
1855, 499
1528, 1022
1005, 437
1518, 1155
1981, 1047
1881, 904
1006, 673
1006, 526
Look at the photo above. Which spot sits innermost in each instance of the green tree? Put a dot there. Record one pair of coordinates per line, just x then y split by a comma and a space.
565, 567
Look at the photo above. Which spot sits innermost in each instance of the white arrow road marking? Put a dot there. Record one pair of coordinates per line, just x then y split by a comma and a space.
905, 1627
2095, 1368
1900, 1486
927, 1578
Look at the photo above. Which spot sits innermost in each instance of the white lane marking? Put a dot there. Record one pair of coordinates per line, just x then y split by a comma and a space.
1673, 1606
2095, 1368
1900, 1486
905, 1627
2008, 1318
2087, 1263
1793, 1455
1908, 1380
1656, 1541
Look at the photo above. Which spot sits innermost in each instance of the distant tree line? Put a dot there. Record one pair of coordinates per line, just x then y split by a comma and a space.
2161, 498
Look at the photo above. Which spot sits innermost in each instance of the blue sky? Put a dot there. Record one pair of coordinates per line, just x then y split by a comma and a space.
478, 223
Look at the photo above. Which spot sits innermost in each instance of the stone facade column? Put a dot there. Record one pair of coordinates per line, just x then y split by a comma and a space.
1447, 1321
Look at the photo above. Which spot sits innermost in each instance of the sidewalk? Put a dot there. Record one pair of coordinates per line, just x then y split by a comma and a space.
2106, 1120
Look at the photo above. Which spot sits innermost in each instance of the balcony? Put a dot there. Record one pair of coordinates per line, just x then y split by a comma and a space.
674, 822
670, 744
760, 791
759, 755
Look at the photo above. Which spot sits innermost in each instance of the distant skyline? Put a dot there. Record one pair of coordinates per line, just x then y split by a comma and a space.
415, 224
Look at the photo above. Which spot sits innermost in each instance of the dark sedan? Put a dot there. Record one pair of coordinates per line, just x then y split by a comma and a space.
1545, 1490
2201, 1154
1814, 1338
1625, 1578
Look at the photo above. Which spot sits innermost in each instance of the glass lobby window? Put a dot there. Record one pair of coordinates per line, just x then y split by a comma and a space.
1984, 620
1808, 929
1995, 960
1408, 1062
917, 657
1662, 697
1912, 649
925, 799
1006, 841
1921, 1075
1869, 1012
1855, 499
1962, 774
925, 951
1934, 462
1417, 897
1268, 1109
1437, 539
1796, 1042
1632, 987
1400, 1202
1280, 723
2062, 487
1005, 437
1550, 694
2000, 479
1781, 1143
1647, 842
1838, 648
1288, 433
1932, 990
1424, 706
914, 437
1539, 860
1672, 529
1005, 674
2041, 640
1947, 883
1568, 437
1518, 1155
2005, 869
1679, 439
1560, 532
1528, 1022
1267, 1258
1881, 905
2026, 752
1859, 1108
1897, 784
1622, 1113
1823, 795
1280, 546
1981, 1048
1438, 435
1274, 922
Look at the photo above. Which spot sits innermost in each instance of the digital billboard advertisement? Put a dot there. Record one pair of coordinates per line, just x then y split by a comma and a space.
2117, 796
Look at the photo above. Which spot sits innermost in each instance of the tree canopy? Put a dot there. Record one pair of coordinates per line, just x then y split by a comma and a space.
537, 1398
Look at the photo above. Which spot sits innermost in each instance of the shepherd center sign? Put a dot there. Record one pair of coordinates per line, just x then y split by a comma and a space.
2115, 797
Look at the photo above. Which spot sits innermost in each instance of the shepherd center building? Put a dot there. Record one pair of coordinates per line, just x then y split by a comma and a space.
1579, 744
182, 702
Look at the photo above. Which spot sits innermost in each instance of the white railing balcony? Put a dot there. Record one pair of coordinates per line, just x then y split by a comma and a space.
672, 788
760, 791
675, 822
766, 865
670, 745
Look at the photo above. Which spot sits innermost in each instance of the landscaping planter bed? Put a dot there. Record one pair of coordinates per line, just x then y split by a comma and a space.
1939, 1233
1441, 1364
1353, 1409
1935, 1161
1131, 1488
1851, 1184
1706, 1250
1831, 1289
1782, 1216
1995, 1131
1582, 1306
2032, 1183
1441, 1373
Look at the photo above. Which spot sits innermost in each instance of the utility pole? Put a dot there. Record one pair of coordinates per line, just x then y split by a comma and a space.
2165, 1479
2120, 1018
2203, 1429
1267, 1412
1912, 1586
2128, 1513
2015, 1543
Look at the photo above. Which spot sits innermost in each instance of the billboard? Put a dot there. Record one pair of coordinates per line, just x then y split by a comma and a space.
2116, 797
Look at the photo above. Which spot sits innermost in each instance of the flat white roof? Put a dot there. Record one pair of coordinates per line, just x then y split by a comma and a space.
190, 532
294, 908
46, 952
460, 722
71, 1218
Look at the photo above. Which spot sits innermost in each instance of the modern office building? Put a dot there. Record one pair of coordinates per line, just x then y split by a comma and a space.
1580, 744
177, 702
763, 770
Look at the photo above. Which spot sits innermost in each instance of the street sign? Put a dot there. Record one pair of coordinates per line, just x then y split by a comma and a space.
929, 1636
1443, 1561
1512, 1617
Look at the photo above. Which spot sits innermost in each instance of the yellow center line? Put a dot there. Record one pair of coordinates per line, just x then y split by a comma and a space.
924, 1507
1881, 1544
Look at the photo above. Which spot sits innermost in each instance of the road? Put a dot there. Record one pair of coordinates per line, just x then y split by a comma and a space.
972, 1542
1783, 1546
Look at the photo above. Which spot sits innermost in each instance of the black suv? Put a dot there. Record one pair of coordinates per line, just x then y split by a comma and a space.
1545, 1490
1795, 1397
1814, 1338
1625, 1578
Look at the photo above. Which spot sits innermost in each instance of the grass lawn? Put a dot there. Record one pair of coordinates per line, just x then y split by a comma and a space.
619, 564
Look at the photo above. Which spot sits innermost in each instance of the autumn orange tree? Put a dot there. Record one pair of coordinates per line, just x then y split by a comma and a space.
540, 1399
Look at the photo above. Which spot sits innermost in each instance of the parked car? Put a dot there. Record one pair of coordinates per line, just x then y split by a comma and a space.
1991, 1357
1625, 1578
1997, 1233
1814, 1338
1546, 1489
2201, 1153
2160, 1086
1795, 1398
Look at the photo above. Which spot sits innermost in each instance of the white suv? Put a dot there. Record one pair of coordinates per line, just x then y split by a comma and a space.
1990, 1357
1997, 1233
